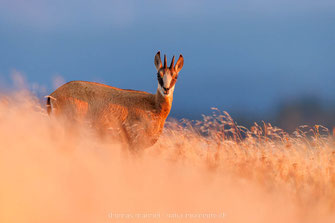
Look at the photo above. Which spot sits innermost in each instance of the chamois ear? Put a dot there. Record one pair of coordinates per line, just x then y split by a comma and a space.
179, 64
158, 61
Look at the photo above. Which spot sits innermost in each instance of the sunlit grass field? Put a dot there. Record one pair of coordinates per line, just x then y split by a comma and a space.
212, 170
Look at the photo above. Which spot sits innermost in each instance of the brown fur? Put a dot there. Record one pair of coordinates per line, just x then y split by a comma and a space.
138, 116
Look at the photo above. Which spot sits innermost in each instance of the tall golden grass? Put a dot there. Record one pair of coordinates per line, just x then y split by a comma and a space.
205, 171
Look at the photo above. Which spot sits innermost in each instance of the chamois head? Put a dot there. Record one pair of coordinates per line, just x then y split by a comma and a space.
167, 76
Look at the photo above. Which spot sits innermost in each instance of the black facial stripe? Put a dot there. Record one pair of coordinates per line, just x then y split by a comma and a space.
173, 82
160, 80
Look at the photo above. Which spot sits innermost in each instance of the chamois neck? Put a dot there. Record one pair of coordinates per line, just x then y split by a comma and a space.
163, 103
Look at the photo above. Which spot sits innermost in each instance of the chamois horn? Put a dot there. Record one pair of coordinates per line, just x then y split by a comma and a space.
165, 63
172, 63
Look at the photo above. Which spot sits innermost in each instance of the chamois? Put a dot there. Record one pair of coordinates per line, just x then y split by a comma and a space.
135, 118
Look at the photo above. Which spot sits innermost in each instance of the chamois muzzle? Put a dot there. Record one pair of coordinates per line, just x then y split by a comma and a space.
166, 90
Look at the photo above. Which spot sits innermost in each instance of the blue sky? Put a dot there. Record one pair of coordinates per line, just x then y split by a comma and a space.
240, 55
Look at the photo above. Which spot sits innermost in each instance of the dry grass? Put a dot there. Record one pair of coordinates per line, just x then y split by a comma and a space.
51, 174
